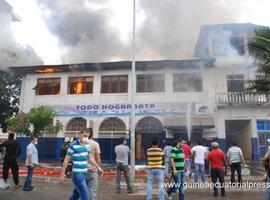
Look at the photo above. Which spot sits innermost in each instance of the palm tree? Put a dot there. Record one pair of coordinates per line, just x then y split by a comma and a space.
259, 49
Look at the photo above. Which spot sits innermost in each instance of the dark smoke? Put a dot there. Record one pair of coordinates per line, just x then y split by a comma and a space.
170, 29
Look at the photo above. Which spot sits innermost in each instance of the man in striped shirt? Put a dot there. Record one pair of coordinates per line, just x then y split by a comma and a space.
178, 166
155, 169
79, 153
235, 158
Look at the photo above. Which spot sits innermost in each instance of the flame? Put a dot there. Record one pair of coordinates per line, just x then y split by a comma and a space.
78, 88
48, 70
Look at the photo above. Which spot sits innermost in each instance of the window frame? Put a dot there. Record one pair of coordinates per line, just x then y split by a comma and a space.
52, 88
147, 83
200, 78
119, 84
85, 82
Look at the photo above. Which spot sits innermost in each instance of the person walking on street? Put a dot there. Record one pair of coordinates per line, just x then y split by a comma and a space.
199, 154
167, 154
155, 169
122, 153
31, 162
178, 166
92, 180
218, 168
235, 158
187, 152
80, 153
13, 150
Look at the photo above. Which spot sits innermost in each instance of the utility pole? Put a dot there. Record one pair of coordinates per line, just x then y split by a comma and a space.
133, 96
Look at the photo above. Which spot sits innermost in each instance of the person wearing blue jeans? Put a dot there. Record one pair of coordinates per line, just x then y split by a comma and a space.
79, 152
199, 152
155, 170
178, 166
31, 161
28, 180
199, 168
152, 173
81, 188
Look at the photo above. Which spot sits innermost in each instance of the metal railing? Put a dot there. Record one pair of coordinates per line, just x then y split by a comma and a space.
243, 98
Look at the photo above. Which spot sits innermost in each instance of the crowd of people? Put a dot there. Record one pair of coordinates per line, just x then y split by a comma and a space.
176, 162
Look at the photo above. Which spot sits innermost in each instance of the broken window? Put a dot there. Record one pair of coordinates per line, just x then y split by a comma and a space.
114, 84
187, 82
235, 83
48, 86
80, 85
151, 83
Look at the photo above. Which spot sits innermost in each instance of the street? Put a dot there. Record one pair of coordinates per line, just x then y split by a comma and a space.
53, 190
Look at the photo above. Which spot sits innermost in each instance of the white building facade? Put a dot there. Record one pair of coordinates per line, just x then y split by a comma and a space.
198, 99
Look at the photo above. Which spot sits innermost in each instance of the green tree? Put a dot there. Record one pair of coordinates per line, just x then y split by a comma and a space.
9, 97
259, 49
36, 122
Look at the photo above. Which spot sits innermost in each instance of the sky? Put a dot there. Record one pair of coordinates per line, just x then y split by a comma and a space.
71, 31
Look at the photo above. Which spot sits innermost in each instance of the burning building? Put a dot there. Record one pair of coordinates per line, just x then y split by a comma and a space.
202, 98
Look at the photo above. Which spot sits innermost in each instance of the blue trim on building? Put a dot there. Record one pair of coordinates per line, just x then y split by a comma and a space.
255, 149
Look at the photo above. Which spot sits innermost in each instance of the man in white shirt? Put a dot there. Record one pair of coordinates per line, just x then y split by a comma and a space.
235, 158
31, 161
199, 153
92, 180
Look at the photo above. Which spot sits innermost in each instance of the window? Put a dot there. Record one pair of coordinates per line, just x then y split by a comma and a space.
235, 83
187, 82
151, 83
114, 84
238, 43
80, 85
48, 86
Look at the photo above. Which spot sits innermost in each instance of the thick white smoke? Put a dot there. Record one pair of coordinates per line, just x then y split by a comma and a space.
11, 53
169, 31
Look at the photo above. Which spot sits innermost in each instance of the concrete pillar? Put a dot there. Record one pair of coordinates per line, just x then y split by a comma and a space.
255, 141
221, 132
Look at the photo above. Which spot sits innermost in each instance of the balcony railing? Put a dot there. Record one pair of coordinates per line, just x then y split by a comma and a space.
243, 98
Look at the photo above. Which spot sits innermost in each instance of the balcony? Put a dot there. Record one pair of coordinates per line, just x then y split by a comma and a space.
242, 98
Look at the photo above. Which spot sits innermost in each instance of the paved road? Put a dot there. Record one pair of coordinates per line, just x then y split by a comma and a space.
56, 191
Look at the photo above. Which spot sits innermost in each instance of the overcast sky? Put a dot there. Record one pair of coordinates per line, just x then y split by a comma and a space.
62, 31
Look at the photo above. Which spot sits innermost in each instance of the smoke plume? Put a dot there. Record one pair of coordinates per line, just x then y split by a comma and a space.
11, 53
169, 30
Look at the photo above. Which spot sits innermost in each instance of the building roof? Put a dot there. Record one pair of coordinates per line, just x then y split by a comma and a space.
219, 36
120, 65
7, 8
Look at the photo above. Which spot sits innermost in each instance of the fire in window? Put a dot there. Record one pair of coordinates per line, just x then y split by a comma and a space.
80, 85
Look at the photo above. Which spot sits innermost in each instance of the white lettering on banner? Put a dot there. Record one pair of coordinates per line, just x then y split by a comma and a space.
122, 108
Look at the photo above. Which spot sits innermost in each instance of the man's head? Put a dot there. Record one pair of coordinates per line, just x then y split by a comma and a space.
181, 143
215, 145
122, 140
155, 141
84, 136
234, 144
91, 133
34, 140
199, 143
10, 136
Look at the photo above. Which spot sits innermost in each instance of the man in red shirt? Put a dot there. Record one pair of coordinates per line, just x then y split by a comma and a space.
218, 162
187, 152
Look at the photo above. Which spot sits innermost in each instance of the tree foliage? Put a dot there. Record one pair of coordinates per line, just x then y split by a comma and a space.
9, 97
259, 49
36, 122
